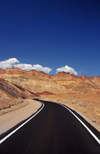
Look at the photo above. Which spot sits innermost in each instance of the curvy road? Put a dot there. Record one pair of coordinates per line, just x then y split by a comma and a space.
54, 129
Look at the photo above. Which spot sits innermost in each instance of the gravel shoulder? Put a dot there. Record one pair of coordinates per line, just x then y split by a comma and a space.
18, 114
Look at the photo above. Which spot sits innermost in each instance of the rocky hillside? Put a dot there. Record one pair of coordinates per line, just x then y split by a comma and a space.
77, 83
60, 83
32, 80
11, 94
14, 90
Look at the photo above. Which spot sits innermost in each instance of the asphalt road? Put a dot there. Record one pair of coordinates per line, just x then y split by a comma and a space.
53, 131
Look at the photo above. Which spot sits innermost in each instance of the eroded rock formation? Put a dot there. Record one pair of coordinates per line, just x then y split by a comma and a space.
60, 83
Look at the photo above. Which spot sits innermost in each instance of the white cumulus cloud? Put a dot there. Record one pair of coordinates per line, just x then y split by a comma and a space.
41, 68
34, 67
66, 69
38, 67
13, 62
47, 69
24, 66
8, 63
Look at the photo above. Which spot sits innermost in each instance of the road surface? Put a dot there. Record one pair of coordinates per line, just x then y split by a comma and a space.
54, 130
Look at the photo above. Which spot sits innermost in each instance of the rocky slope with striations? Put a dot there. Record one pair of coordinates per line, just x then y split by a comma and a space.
32, 80
60, 83
11, 94
76, 83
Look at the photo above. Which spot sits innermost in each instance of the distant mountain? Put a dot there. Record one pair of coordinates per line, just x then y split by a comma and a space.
39, 82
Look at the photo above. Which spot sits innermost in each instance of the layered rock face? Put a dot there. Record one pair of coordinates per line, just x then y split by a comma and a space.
60, 83
11, 94
95, 79
77, 83
32, 80
14, 91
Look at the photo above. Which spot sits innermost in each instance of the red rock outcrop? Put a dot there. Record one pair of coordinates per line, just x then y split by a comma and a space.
60, 83
75, 83
14, 90
45, 93
11, 94
32, 80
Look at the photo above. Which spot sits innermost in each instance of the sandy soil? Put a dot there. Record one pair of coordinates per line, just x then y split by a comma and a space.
18, 113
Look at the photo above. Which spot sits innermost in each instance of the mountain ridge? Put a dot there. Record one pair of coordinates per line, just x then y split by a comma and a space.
40, 81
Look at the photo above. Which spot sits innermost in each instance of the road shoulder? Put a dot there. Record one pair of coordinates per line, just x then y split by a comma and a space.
10, 119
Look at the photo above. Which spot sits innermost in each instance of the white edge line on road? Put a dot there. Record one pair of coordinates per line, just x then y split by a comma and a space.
95, 137
2, 140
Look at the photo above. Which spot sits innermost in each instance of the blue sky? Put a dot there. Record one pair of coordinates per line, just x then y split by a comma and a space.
51, 35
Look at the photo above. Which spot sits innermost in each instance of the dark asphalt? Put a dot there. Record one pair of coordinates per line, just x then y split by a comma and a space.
53, 131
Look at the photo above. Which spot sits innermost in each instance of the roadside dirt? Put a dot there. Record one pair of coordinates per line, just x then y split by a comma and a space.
17, 113
87, 104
